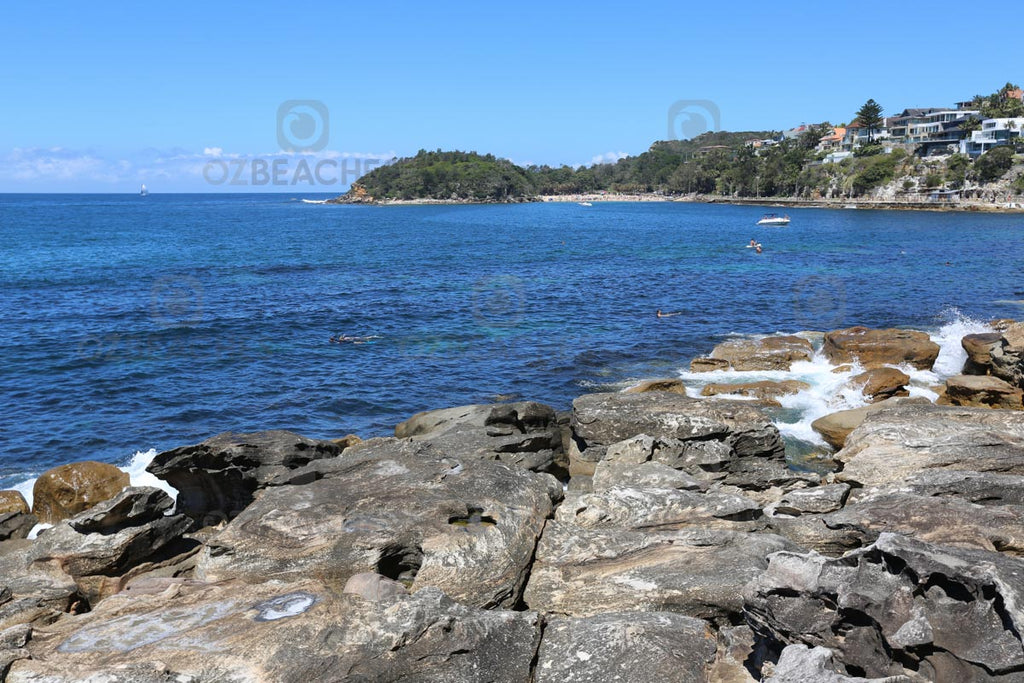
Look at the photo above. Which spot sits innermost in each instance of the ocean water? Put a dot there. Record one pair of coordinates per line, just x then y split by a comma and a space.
130, 323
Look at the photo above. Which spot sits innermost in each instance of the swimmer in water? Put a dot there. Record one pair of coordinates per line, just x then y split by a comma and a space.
667, 315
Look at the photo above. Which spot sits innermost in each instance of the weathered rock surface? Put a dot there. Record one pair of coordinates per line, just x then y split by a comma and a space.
465, 525
526, 434
216, 479
1007, 357
983, 488
765, 353
803, 664
814, 500
734, 442
13, 501
660, 508
904, 440
983, 392
696, 572
876, 348
676, 386
65, 491
649, 474
979, 351
765, 391
898, 607
37, 597
879, 384
705, 364
835, 427
626, 646
112, 539
275, 632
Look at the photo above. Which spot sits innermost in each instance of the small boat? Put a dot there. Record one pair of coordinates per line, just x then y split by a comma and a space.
773, 219
143, 192
585, 204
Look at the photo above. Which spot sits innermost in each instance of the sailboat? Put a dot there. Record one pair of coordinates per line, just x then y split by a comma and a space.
143, 192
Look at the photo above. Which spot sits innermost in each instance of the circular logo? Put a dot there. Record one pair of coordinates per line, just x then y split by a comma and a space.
176, 301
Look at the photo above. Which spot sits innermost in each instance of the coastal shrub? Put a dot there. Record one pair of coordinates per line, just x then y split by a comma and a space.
993, 164
956, 170
874, 171
933, 179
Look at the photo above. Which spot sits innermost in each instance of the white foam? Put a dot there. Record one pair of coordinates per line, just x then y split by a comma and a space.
951, 353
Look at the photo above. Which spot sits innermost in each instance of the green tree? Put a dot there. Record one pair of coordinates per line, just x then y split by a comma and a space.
993, 164
870, 116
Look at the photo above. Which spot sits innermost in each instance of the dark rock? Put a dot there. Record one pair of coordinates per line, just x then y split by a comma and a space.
877, 348
626, 646
273, 632
465, 525
65, 491
216, 479
803, 664
898, 607
16, 524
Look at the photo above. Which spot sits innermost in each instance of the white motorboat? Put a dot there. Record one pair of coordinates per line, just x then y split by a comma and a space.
585, 204
773, 219
143, 192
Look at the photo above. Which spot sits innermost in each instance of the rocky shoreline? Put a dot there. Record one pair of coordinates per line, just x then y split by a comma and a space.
645, 535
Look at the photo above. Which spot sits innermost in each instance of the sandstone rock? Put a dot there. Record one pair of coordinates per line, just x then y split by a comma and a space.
467, 526
908, 439
979, 351
815, 500
626, 646
1007, 357
876, 348
274, 632
898, 607
373, 587
836, 427
37, 597
65, 491
676, 386
766, 353
983, 392
112, 539
881, 383
735, 441
696, 572
765, 391
13, 501
216, 479
347, 441
659, 508
802, 664
525, 434
708, 365
983, 488
609, 473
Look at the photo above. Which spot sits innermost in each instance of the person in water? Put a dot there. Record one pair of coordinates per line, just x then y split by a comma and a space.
758, 249
667, 315
753, 243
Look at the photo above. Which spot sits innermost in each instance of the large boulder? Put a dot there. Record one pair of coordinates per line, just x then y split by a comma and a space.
879, 384
16, 518
65, 491
979, 349
465, 525
102, 545
1007, 357
803, 664
876, 348
764, 353
626, 646
217, 478
835, 427
272, 632
526, 434
698, 572
908, 439
983, 392
900, 607
735, 441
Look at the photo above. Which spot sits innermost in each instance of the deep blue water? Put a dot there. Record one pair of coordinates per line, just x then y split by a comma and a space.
129, 323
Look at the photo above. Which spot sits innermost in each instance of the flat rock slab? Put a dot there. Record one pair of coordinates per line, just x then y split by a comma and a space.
464, 525
765, 353
697, 572
766, 392
877, 348
626, 646
983, 392
894, 444
274, 632
948, 614
835, 427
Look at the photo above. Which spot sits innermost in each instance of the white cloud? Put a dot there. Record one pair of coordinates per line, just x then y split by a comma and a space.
608, 158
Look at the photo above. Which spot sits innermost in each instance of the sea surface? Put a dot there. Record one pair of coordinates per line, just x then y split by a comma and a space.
134, 323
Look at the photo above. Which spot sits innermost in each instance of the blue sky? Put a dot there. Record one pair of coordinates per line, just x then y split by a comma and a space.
100, 97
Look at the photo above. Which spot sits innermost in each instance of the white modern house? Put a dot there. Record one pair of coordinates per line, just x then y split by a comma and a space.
994, 132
